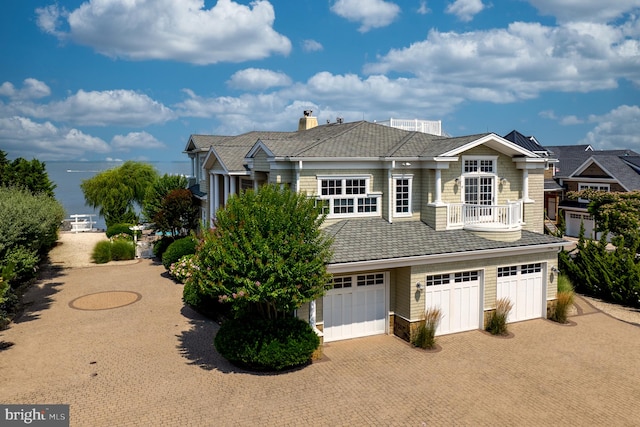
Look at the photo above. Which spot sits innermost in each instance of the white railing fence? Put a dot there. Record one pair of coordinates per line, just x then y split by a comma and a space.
461, 214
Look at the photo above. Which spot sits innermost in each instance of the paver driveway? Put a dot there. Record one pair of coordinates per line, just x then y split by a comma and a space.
152, 362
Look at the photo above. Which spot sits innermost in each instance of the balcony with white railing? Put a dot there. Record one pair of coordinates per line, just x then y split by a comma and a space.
485, 217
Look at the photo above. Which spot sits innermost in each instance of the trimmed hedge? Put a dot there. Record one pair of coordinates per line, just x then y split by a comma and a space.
122, 250
160, 246
101, 252
116, 229
267, 344
178, 249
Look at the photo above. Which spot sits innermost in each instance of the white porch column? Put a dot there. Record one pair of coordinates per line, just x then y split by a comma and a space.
438, 192
232, 187
226, 188
215, 193
390, 195
312, 314
212, 196
525, 185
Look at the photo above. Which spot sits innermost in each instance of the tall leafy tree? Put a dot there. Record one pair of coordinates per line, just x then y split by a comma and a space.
28, 174
118, 193
177, 214
617, 213
266, 255
158, 191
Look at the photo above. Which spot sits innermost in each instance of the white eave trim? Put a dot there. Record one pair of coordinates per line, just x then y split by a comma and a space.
509, 148
439, 258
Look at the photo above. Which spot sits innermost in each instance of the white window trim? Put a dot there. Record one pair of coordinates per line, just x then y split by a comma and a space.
587, 185
355, 197
397, 214
493, 174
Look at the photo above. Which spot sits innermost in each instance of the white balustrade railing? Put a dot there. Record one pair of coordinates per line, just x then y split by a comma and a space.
461, 214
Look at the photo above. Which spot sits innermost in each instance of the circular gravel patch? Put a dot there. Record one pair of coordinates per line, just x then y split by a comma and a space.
105, 300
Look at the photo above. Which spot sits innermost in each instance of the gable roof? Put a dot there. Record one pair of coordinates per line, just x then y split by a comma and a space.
621, 165
409, 239
614, 166
344, 141
527, 142
365, 140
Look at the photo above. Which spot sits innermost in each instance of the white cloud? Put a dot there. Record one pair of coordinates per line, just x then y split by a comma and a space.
565, 121
99, 108
45, 141
171, 30
465, 10
519, 62
423, 9
369, 13
586, 10
311, 46
31, 89
618, 129
136, 141
258, 79
571, 120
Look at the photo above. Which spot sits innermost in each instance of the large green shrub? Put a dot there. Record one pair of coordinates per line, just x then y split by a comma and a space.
267, 254
122, 250
28, 220
161, 245
115, 229
101, 252
178, 249
24, 261
267, 344
612, 275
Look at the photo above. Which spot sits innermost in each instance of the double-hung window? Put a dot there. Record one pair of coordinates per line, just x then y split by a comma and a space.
479, 177
347, 196
402, 195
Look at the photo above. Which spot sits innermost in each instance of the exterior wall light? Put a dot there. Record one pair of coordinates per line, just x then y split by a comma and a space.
419, 286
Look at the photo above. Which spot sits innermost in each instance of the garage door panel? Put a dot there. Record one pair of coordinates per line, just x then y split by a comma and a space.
459, 303
524, 288
440, 298
354, 311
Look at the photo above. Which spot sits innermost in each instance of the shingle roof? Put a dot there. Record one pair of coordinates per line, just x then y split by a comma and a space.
627, 176
376, 239
571, 157
356, 140
525, 142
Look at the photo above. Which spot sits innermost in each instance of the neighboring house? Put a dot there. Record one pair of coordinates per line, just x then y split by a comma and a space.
553, 192
580, 167
418, 220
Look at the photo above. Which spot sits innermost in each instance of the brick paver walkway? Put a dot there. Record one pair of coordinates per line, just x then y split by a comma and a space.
152, 363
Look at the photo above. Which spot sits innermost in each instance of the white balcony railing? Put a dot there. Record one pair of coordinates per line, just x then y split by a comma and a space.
509, 216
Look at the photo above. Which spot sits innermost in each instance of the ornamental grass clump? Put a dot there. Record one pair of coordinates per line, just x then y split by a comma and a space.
426, 334
497, 324
565, 299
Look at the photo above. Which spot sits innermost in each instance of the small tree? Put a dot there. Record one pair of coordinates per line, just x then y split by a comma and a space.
267, 254
177, 213
117, 191
158, 191
617, 213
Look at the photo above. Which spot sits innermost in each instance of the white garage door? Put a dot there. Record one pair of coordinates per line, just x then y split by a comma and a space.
573, 221
523, 285
458, 297
355, 307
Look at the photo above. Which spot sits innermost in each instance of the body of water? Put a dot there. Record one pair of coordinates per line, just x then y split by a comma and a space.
68, 175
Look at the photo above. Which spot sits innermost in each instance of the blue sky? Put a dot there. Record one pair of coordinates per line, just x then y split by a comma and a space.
132, 79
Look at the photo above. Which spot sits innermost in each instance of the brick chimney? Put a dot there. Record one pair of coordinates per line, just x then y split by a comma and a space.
308, 121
